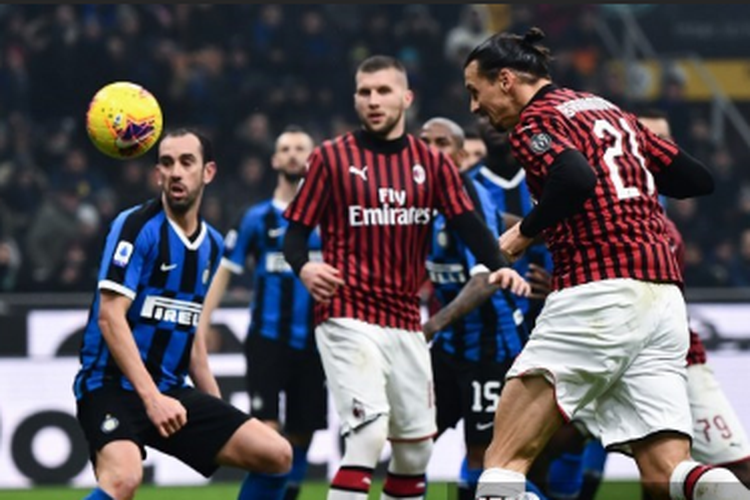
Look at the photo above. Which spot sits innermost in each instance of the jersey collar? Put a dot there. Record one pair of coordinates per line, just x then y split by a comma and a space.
377, 144
550, 87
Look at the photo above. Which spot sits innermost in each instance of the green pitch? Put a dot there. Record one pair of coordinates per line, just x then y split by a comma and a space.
310, 491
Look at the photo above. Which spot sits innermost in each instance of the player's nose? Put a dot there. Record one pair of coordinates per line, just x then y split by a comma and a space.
474, 106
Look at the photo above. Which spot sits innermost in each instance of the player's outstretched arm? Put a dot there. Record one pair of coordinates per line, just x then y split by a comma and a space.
200, 371
475, 293
167, 414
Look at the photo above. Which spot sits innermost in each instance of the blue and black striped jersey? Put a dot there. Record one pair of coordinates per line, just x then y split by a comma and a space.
512, 196
149, 259
282, 308
495, 331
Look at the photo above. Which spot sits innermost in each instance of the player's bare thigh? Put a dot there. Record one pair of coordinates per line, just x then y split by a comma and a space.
527, 416
119, 469
258, 447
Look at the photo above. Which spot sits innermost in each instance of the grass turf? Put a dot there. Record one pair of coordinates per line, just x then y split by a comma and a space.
310, 491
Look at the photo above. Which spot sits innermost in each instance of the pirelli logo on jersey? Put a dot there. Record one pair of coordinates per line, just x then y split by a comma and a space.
442, 274
391, 212
275, 262
180, 312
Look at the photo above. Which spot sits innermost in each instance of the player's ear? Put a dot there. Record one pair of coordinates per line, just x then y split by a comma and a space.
275, 161
461, 157
408, 98
505, 79
209, 171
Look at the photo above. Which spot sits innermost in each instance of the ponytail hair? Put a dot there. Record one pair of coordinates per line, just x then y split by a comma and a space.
507, 50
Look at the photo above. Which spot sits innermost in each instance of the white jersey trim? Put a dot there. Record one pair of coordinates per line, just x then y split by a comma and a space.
185, 241
232, 266
500, 181
116, 287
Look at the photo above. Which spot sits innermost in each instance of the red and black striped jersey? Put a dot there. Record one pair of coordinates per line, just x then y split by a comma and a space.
620, 232
374, 202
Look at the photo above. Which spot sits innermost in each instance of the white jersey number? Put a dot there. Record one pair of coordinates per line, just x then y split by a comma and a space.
603, 127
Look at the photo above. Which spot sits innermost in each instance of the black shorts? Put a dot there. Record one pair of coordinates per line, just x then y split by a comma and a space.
468, 390
274, 367
111, 414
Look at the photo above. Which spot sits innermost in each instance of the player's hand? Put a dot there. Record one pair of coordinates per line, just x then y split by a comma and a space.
513, 244
509, 279
166, 413
540, 281
429, 330
321, 280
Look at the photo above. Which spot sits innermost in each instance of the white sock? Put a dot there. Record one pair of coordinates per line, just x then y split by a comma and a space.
499, 484
695, 481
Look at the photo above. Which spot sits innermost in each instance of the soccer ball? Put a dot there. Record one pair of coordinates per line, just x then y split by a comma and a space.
124, 120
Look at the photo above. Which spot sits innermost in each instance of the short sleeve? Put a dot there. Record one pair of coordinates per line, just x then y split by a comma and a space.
313, 195
123, 259
241, 240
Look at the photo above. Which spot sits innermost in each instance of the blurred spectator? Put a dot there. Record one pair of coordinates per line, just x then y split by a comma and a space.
471, 30
77, 172
10, 254
739, 267
53, 230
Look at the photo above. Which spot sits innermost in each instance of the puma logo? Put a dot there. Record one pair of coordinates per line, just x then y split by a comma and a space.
362, 173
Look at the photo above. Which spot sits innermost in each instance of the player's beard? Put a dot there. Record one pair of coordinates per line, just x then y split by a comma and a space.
182, 206
292, 178
385, 128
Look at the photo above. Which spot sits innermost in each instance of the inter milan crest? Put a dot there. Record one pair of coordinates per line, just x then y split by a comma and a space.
256, 403
442, 239
109, 424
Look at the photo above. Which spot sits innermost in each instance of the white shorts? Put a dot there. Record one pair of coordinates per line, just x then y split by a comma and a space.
719, 437
372, 371
619, 345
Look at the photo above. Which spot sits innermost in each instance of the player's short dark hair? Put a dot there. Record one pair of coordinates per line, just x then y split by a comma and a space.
471, 132
508, 50
207, 148
379, 63
293, 129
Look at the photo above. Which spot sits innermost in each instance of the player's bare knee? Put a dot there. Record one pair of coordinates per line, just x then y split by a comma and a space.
279, 457
121, 483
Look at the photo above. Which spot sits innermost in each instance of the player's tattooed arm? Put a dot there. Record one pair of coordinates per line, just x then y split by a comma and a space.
475, 293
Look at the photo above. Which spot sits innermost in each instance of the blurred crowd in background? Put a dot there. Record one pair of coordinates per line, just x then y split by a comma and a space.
243, 73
